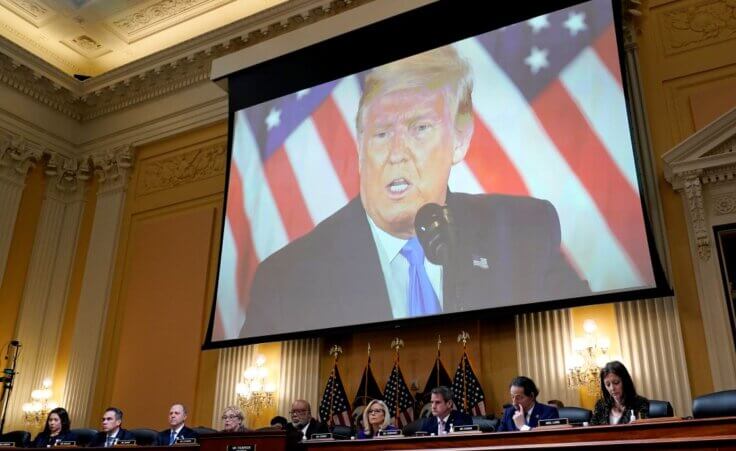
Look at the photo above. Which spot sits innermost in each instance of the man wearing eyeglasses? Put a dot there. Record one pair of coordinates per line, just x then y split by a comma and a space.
302, 420
111, 432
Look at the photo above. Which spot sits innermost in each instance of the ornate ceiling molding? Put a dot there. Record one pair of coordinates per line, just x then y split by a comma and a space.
166, 72
156, 15
34, 12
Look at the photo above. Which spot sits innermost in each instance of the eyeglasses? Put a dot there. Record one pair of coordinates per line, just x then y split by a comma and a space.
376, 411
298, 411
230, 417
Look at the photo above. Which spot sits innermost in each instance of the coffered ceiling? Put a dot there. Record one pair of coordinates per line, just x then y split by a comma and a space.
91, 37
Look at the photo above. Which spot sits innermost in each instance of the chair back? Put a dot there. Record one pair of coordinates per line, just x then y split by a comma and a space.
84, 435
718, 404
22, 439
204, 430
486, 424
342, 432
411, 428
660, 409
576, 415
426, 411
144, 436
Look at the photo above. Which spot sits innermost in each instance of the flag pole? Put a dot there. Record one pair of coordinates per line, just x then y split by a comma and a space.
334, 351
365, 372
464, 337
437, 360
397, 344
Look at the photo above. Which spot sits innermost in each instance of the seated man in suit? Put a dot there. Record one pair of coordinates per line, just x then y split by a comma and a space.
365, 264
525, 412
443, 414
112, 432
302, 421
177, 429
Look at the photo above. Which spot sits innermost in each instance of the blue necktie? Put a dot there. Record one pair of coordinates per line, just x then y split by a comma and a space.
421, 296
172, 438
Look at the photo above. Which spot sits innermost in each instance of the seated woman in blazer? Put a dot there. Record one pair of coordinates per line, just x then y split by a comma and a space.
619, 397
56, 430
376, 418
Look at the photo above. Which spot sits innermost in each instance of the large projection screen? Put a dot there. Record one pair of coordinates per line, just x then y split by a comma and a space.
522, 131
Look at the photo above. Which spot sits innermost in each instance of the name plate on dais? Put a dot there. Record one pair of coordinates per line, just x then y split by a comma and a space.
321, 436
67, 443
241, 447
465, 428
554, 422
186, 441
390, 433
7, 443
130, 442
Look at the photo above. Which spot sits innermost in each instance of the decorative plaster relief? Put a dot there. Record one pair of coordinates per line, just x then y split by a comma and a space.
724, 204
86, 46
694, 196
185, 167
69, 174
698, 24
113, 167
34, 12
158, 15
17, 157
725, 147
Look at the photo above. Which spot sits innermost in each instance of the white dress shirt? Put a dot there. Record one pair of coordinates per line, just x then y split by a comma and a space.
396, 270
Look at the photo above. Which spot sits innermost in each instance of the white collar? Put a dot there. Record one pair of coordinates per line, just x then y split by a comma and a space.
389, 245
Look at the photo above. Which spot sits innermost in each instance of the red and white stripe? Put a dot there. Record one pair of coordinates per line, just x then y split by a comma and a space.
517, 148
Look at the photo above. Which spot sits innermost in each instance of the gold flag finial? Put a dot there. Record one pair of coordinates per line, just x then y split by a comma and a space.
463, 337
335, 351
397, 343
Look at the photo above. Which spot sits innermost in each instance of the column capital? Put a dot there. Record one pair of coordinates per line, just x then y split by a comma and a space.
113, 168
17, 157
67, 176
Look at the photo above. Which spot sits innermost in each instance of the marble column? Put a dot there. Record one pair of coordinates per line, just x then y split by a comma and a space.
47, 282
113, 172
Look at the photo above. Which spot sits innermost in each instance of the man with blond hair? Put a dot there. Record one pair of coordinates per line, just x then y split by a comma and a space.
365, 264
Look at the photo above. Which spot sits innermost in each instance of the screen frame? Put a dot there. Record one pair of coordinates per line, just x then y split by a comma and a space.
374, 46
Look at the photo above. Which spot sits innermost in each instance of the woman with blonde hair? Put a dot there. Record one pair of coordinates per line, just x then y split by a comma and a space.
232, 419
376, 418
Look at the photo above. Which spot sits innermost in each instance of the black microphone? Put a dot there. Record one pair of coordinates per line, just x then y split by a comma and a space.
435, 230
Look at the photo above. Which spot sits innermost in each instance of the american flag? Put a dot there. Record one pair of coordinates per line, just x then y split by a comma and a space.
398, 398
334, 409
550, 122
468, 394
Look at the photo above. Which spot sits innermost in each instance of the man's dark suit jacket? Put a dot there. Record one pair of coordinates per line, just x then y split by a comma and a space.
315, 427
539, 412
457, 418
508, 253
164, 437
100, 438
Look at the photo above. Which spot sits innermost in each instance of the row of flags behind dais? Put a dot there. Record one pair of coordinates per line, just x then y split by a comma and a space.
336, 409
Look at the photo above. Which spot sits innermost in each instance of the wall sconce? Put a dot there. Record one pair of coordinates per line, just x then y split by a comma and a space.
36, 411
590, 353
257, 392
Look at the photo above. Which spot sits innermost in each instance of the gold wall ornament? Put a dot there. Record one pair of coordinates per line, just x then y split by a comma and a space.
463, 337
36, 411
590, 353
257, 392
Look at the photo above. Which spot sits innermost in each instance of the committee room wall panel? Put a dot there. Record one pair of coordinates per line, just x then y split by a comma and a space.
164, 282
687, 53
